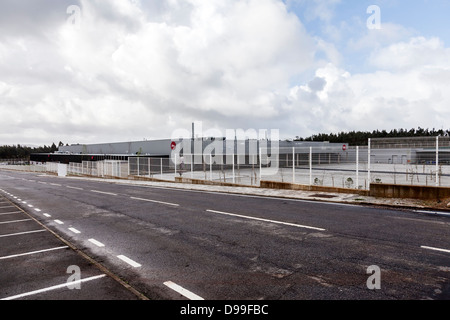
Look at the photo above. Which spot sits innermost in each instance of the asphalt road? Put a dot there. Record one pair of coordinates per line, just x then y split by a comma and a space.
170, 243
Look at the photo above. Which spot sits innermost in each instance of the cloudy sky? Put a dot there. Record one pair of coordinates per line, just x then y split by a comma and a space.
94, 71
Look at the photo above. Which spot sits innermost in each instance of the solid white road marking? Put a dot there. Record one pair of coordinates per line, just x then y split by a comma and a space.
184, 292
20, 233
97, 243
266, 220
154, 201
60, 286
33, 252
129, 261
436, 249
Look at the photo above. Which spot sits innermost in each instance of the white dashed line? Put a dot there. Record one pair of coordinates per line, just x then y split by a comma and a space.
76, 188
74, 230
186, 293
58, 221
129, 261
47, 215
154, 201
107, 193
97, 243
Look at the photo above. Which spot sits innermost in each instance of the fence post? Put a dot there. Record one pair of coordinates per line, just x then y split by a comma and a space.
437, 161
293, 164
368, 164
149, 167
210, 167
192, 166
234, 179
138, 173
357, 167
310, 166
260, 166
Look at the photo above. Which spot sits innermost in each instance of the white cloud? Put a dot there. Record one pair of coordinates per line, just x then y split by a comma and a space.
409, 90
226, 59
418, 52
136, 70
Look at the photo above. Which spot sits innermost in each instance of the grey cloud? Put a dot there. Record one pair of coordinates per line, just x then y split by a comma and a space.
38, 18
317, 84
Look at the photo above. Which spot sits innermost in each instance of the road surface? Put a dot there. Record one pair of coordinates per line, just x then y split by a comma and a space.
168, 243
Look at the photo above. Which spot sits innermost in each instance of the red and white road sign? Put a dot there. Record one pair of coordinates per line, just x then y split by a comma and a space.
344, 147
173, 145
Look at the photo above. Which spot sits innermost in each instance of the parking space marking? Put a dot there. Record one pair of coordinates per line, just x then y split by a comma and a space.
6, 207
129, 261
6, 213
184, 292
33, 252
15, 221
20, 233
60, 286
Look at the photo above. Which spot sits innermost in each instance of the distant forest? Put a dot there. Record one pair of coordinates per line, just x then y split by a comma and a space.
23, 152
360, 138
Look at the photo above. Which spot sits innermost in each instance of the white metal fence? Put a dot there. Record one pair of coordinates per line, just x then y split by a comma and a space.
424, 161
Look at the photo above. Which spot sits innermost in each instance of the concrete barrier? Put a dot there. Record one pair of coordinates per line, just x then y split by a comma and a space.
210, 183
408, 191
293, 186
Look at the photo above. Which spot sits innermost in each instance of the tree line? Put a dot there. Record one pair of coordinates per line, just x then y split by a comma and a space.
23, 152
360, 138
